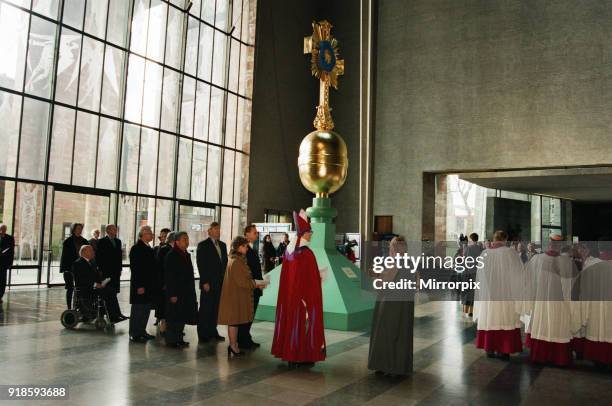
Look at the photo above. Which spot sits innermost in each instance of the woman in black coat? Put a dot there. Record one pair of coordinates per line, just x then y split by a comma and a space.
269, 254
182, 305
70, 253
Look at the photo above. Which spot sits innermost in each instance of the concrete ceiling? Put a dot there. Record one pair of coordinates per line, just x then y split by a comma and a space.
579, 184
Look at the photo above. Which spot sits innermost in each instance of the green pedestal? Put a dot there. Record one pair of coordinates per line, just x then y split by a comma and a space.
346, 306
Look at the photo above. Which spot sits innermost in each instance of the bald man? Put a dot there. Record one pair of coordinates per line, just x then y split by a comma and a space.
88, 280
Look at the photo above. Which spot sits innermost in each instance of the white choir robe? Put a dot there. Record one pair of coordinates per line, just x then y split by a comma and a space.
578, 339
499, 300
596, 311
550, 330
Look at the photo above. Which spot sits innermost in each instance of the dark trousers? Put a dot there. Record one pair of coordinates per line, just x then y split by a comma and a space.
139, 317
69, 285
208, 312
174, 331
112, 304
244, 330
3, 273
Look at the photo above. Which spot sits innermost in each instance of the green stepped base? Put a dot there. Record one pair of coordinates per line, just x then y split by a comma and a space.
346, 306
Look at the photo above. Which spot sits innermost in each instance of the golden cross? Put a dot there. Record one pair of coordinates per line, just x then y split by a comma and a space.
326, 66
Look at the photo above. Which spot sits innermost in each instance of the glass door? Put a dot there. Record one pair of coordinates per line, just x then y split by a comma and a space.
195, 221
70, 207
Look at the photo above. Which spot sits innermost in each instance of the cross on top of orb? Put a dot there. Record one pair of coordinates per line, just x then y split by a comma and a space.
325, 65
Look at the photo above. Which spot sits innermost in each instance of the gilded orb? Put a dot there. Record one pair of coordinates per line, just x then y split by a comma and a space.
323, 162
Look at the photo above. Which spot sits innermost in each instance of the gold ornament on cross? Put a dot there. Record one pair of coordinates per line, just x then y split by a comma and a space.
325, 65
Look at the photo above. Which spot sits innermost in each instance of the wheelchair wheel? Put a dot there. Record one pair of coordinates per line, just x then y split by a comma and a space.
70, 318
100, 323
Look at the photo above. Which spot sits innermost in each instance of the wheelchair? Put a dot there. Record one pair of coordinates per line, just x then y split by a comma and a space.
86, 310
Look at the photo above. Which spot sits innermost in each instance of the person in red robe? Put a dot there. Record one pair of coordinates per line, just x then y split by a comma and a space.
299, 338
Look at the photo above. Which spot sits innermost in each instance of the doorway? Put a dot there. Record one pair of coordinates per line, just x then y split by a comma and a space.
72, 207
195, 220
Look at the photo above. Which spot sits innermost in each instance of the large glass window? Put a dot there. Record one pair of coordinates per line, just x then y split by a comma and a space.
142, 102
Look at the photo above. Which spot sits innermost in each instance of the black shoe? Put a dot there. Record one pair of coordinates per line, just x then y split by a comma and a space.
230, 352
255, 345
149, 336
505, 357
184, 343
203, 339
124, 317
490, 354
175, 345
141, 339
219, 338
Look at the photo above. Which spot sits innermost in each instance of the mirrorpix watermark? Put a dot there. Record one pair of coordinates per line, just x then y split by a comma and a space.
424, 263
33, 392
399, 269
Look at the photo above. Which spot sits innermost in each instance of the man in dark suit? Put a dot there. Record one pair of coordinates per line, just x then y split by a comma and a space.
159, 303
282, 247
142, 285
88, 280
109, 257
180, 289
7, 253
70, 253
244, 331
212, 261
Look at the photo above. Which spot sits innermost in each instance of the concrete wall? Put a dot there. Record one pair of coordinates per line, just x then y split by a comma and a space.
285, 96
344, 15
284, 100
490, 84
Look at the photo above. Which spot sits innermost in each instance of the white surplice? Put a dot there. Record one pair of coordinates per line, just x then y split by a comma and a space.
596, 315
498, 302
550, 305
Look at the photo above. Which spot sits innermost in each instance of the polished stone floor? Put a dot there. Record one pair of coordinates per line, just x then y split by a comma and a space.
106, 369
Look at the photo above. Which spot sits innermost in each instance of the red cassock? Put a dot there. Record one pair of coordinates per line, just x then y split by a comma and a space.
298, 337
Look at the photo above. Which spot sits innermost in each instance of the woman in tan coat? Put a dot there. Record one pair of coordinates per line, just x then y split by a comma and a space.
236, 305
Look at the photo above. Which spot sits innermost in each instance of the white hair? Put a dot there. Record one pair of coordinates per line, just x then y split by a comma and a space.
144, 229
83, 248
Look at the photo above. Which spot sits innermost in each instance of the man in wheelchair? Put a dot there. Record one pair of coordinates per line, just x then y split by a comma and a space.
90, 288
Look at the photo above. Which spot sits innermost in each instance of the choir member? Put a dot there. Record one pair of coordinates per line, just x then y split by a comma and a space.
498, 302
550, 330
595, 283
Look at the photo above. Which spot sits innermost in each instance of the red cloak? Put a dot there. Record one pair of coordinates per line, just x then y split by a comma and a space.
298, 338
